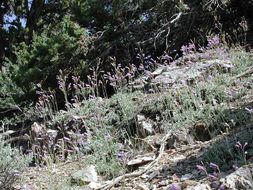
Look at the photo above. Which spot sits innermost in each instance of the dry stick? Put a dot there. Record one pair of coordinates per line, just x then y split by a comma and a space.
149, 144
19, 138
248, 72
167, 25
138, 173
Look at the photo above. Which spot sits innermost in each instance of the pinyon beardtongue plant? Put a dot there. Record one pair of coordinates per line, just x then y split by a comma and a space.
80, 90
166, 59
213, 177
117, 78
188, 49
213, 42
214, 49
241, 148
215, 167
147, 61
62, 82
46, 105
83, 91
202, 168
121, 76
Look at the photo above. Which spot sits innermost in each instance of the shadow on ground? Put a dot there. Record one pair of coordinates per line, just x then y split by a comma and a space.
232, 147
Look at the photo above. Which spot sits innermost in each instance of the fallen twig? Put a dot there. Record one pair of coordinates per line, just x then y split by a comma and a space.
140, 172
248, 72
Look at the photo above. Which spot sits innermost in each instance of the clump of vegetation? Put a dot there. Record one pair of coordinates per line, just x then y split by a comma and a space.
104, 155
223, 152
12, 164
67, 67
213, 173
74, 128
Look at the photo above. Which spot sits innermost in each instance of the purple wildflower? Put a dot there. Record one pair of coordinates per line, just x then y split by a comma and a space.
215, 167
174, 186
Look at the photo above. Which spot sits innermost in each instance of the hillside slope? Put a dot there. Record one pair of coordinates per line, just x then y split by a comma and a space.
186, 125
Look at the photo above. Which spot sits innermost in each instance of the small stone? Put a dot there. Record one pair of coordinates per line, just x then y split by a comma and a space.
36, 128
94, 185
28, 187
158, 71
144, 176
148, 127
186, 177
162, 183
142, 187
145, 127
199, 187
17, 187
177, 158
141, 159
52, 132
84, 176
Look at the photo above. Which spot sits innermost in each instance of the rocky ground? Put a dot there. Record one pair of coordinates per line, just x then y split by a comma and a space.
192, 155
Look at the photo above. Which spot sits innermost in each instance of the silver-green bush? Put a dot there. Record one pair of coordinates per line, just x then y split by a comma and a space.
12, 163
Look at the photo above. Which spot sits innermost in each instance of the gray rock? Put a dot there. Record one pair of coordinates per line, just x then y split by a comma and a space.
145, 126
186, 177
84, 176
240, 179
199, 187
141, 159
174, 76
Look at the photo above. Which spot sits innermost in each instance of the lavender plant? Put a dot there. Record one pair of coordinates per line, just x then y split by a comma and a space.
105, 154
117, 79
62, 82
79, 89
46, 106
188, 49
185, 105
91, 88
213, 176
242, 150
12, 164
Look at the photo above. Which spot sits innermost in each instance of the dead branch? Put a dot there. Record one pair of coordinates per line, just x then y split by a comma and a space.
140, 172
248, 72
163, 29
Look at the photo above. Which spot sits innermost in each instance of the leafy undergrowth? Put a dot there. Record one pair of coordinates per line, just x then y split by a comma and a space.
12, 163
108, 132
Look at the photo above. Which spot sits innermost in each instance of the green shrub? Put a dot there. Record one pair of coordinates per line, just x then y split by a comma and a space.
62, 46
241, 60
125, 105
10, 92
104, 156
12, 163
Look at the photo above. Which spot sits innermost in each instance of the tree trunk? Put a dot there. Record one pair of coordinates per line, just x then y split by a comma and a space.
3, 10
33, 16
